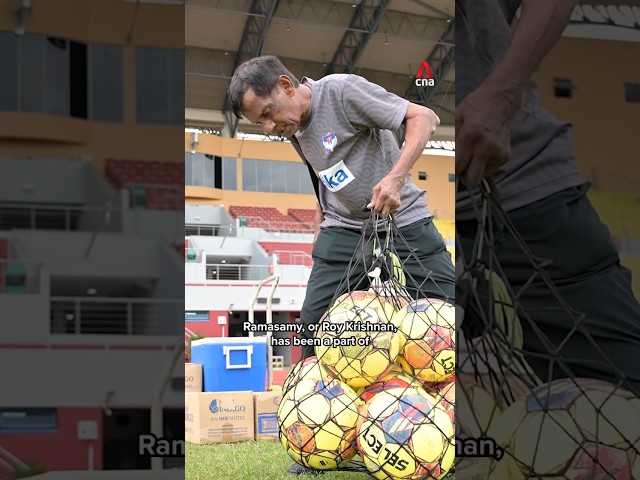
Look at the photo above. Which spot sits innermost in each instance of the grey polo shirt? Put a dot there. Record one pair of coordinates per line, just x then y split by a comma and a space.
348, 141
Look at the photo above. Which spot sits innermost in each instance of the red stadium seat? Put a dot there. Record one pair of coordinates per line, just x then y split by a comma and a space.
268, 218
163, 181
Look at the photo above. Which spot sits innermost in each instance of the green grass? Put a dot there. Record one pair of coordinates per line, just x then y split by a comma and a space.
263, 460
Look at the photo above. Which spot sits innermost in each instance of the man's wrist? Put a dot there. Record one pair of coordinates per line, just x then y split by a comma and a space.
507, 92
399, 174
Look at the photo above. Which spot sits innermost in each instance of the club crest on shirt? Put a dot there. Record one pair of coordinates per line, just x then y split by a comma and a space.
330, 142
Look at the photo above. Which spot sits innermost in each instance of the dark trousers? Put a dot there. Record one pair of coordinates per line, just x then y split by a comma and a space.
585, 267
335, 247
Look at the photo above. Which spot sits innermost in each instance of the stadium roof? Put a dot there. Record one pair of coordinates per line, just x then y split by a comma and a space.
385, 41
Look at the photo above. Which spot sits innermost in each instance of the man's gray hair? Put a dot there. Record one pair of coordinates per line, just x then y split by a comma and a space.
259, 74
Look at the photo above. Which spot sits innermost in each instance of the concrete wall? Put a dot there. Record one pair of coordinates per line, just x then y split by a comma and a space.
218, 296
167, 225
42, 180
97, 194
24, 318
112, 255
205, 215
605, 126
97, 21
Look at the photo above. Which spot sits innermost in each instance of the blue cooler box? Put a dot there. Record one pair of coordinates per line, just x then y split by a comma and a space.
231, 363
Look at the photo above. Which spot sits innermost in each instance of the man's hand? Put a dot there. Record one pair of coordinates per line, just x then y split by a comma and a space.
420, 124
386, 194
483, 118
483, 141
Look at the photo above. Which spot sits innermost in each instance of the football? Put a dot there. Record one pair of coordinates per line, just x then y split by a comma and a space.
402, 433
426, 332
574, 428
317, 423
477, 417
394, 379
308, 369
358, 342
445, 394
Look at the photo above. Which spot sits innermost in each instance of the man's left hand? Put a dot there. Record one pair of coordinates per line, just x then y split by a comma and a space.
386, 194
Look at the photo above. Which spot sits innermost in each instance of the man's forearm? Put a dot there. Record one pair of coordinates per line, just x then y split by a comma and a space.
539, 27
420, 125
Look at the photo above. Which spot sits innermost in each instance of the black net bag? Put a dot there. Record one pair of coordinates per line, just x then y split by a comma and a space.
514, 422
378, 395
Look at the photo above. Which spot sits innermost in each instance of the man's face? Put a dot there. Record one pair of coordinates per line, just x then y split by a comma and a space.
279, 113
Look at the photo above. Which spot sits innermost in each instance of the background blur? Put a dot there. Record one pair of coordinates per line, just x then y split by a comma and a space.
589, 80
91, 108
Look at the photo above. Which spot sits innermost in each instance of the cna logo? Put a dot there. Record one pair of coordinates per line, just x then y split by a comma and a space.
425, 76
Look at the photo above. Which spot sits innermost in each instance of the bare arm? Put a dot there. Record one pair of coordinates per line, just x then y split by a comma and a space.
420, 125
538, 30
483, 118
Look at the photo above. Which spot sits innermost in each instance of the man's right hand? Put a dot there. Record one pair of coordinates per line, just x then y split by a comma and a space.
484, 116
483, 140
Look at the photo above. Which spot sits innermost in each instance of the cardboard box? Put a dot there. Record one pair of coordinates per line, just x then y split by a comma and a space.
266, 414
192, 377
218, 417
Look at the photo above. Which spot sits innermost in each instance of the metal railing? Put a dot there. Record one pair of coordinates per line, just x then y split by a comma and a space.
204, 230
293, 257
10, 462
116, 316
274, 226
53, 217
225, 271
171, 188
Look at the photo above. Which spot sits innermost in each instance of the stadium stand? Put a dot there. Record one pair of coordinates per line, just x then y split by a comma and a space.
268, 218
90, 282
303, 215
127, 172
153, 185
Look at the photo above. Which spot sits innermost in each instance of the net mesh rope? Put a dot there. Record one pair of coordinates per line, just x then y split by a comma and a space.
584, 414
372, 410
